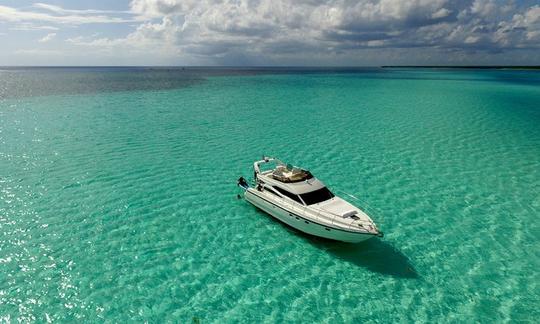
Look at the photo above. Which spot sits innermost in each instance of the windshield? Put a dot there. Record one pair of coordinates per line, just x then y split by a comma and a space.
270, 165
317, 196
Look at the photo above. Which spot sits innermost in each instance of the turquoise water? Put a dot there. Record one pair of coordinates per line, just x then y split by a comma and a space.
118, 197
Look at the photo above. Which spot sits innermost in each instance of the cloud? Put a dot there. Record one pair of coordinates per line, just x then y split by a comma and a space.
484, 8
47, 38
472, 39
29, 26
441, 13
329, 27
274, 31
62, 11
55, 14
39, 52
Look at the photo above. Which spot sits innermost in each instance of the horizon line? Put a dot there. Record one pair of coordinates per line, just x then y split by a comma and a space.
275, 66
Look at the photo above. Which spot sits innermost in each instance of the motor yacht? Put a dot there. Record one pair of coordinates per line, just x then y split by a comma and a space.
295, 197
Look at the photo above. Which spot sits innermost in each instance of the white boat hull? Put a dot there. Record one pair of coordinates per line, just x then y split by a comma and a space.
302, 223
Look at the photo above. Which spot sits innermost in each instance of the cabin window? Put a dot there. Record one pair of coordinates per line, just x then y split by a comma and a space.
317, 196
288, 194
270, 190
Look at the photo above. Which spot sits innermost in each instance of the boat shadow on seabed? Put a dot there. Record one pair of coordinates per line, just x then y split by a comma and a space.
374, 254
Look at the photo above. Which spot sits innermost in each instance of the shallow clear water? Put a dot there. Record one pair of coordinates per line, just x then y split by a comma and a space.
119, 202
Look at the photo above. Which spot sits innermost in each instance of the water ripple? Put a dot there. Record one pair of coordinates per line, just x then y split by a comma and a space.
122, 205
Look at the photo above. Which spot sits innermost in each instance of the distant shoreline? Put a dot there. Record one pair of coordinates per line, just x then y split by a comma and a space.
486, 67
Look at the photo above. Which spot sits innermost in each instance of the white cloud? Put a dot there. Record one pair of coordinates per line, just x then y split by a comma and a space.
244, 27
38, 52
472, 39
521, 31
375, 43
235, 31
30, 26
484, 8
327, 22
47, 38
533, 15
63, 11
441, 13
59, 15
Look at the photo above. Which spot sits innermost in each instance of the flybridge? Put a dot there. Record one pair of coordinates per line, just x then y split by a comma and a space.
286, 173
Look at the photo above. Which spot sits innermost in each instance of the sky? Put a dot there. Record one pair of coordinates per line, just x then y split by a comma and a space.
270, 32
